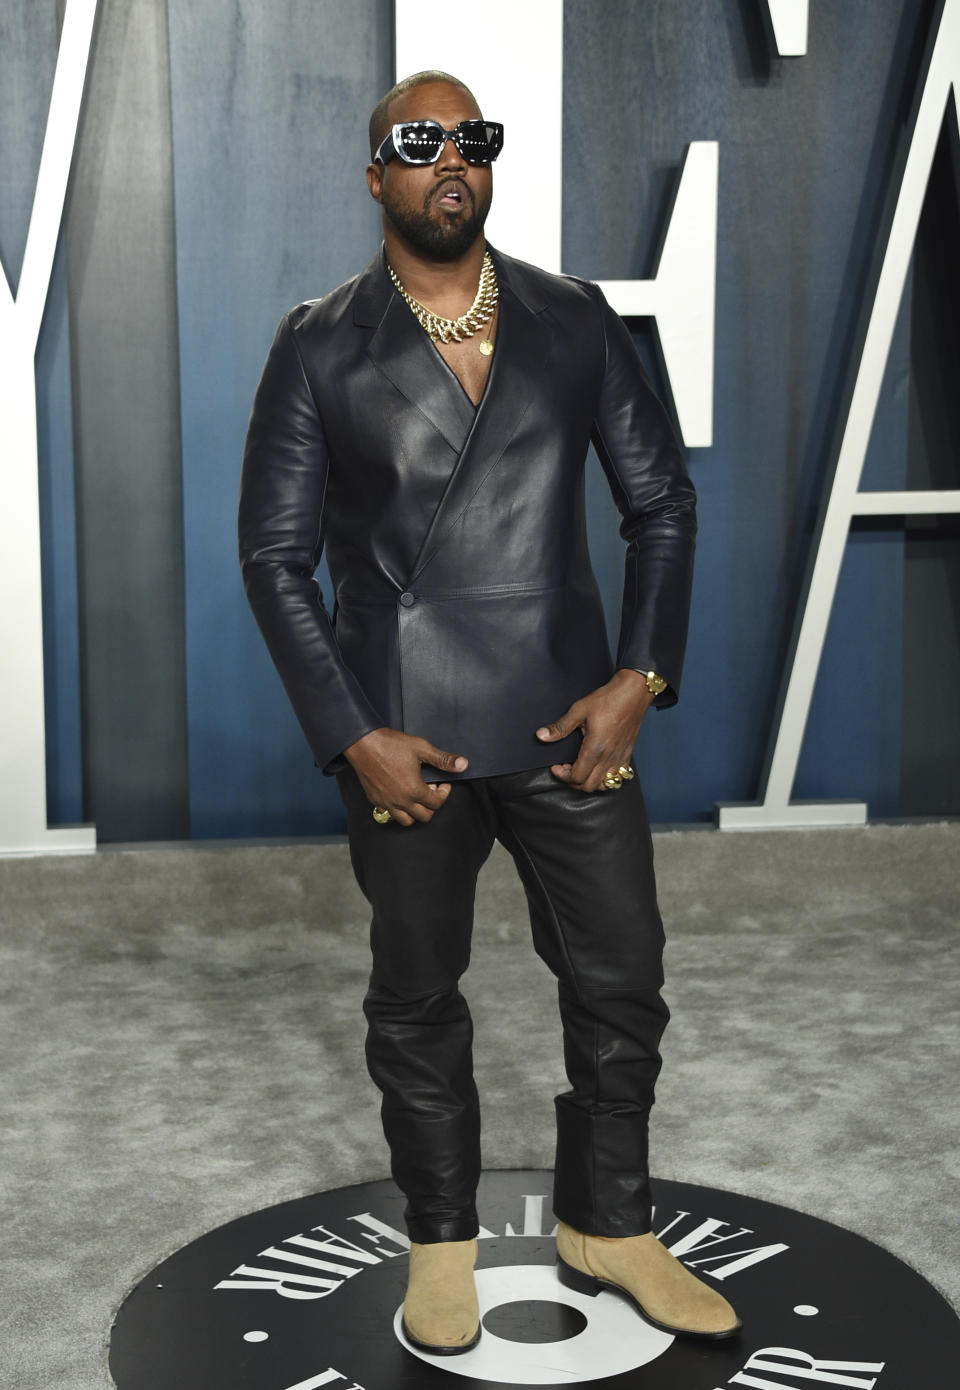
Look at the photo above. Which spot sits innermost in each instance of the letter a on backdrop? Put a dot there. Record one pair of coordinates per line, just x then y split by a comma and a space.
23, 794
942, 76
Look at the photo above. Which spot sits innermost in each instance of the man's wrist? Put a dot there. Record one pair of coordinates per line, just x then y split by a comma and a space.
358, 745
654, 682
633, 684
649, 682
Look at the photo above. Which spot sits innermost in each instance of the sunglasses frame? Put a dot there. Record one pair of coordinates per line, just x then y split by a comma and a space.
392, 147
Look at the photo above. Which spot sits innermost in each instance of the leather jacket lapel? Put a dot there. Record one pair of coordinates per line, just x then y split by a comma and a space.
402, 351
524, 343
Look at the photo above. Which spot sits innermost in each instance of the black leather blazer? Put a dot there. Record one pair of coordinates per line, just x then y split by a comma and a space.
466, 609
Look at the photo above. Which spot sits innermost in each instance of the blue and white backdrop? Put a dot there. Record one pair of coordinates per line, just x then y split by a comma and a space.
218, 178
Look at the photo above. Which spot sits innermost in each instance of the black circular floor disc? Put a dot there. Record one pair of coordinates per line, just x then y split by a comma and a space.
306, 1296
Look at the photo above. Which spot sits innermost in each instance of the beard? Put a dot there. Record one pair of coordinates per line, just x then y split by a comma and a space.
440, 235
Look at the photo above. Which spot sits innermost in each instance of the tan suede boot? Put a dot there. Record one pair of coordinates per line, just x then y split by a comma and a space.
440, 1312
662, 1289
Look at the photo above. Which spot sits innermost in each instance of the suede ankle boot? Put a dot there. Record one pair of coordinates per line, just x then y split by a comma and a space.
661, 1288
441, 1314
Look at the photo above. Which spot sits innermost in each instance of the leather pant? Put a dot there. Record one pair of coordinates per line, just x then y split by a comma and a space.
586, 863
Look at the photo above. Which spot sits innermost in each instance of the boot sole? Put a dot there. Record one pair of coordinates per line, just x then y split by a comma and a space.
439, 1351
591, 1285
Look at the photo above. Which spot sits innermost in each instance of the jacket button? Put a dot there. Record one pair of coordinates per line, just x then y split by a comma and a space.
408, 600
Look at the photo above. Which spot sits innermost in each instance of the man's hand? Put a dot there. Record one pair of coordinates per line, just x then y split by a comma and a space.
610, 718
388, 764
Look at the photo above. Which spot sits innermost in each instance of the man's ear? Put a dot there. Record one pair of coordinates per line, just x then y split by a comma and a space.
375, 180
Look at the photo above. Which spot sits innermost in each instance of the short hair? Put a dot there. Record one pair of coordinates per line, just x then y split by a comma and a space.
380, 125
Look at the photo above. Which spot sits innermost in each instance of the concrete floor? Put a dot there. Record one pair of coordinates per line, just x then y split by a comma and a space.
182, 1043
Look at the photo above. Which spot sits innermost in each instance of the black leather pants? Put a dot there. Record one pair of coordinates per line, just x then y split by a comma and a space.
587, 867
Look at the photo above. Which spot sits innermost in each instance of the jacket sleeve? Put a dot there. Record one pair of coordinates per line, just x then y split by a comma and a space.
644, 464
281, 530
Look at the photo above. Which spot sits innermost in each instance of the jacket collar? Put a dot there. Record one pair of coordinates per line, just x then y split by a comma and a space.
375, 291
404, 354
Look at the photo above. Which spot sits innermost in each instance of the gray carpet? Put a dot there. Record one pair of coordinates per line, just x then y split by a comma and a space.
182, 1043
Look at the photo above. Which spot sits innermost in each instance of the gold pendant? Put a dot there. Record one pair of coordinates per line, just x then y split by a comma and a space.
486, 347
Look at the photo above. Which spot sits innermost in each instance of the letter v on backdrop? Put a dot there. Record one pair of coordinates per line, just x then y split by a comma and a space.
940, 77
23, 802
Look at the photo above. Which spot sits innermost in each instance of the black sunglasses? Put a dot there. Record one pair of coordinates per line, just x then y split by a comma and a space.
421, 142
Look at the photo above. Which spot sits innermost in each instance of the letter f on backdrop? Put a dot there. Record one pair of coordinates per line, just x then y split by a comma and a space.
528, 98
23, 793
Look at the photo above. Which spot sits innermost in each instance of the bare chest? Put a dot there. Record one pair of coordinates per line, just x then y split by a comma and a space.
469, 364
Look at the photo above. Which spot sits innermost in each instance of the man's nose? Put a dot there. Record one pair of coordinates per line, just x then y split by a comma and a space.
450, 157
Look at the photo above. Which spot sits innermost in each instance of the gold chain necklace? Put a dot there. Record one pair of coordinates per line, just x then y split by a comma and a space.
455, 330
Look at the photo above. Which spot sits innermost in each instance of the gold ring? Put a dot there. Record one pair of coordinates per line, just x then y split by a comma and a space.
612, 781
381, 815
627, 773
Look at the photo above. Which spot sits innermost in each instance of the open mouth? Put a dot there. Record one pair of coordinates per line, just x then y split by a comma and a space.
451, 195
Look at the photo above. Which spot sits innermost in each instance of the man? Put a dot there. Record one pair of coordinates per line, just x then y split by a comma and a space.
428, 422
